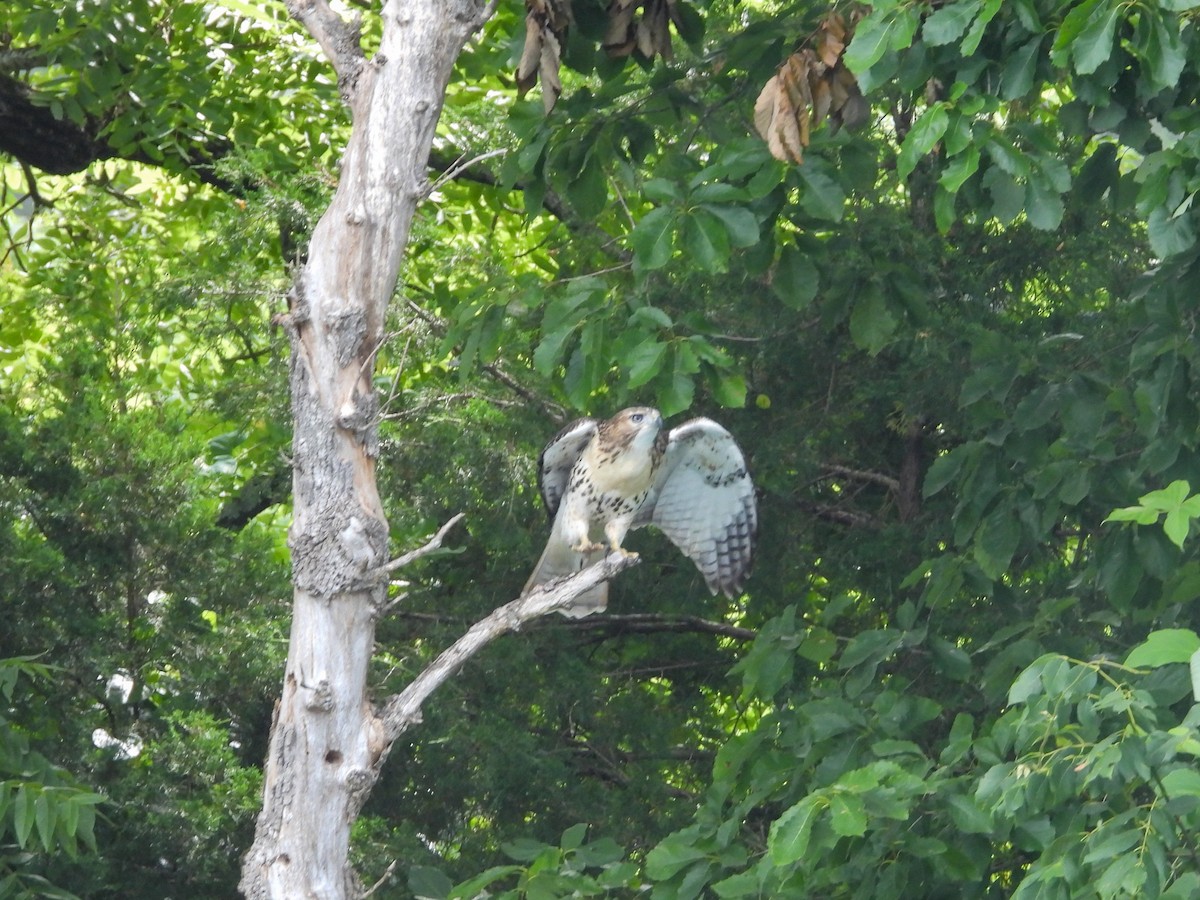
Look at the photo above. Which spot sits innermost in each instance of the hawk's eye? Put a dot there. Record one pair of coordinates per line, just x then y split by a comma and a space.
637, 417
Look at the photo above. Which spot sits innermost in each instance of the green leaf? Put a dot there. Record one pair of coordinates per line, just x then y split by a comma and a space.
1017, 78
1008, 195
823, 197
1094, 45
650, 317
1194, 668
550, 350
24, 802
730, 390
661, 190
996, 543
1043, 205
1176, 526
871, 322
921, 138
1170, 234
675, 395
872, 38
44, 816
787, 841
1163, 647
1005, 155
652, 238
524, 849
1140, 514
795, 279
476, 887
949, 22
1160, 48
573, 837
675, 852
848, 815
251, 10
1182, 782
971, 42
740, 223
428, 883
705, 241
1029, 682
959, 169
943, 471
645, 362
588, 190
967, 816
1167, 499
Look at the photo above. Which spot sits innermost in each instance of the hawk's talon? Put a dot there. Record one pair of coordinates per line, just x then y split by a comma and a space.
588, 547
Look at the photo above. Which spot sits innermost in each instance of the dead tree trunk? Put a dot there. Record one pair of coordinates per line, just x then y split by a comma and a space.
326, 744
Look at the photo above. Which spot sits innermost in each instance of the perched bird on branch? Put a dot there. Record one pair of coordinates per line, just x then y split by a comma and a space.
599, 479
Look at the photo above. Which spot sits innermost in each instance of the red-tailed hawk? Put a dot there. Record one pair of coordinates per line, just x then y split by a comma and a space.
600, 479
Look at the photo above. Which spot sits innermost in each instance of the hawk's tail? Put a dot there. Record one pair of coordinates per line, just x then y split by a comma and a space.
558, 561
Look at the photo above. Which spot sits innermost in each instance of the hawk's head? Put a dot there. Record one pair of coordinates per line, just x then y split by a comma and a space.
638, 429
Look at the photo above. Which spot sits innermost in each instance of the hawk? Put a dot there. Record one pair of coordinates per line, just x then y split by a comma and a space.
599, 479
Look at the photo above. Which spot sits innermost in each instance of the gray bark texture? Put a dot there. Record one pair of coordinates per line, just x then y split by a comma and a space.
328, 741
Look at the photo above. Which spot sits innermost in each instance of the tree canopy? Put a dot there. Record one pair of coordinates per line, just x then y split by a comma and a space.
933, 264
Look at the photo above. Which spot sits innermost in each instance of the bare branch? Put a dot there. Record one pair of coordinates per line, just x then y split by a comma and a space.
382, 880
641, 623
434, 543
459, 166
879, 478
338, 38
443, 400
848, 517
403, 710
14, 59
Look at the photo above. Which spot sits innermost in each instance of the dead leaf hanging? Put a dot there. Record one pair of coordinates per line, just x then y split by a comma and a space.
546, 23
781, 113
812, 86
648, 36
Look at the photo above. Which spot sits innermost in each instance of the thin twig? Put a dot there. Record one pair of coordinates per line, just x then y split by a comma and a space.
432, 544
459, 166
387, 873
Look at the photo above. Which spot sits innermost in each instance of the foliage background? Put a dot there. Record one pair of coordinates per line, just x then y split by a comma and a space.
952, 342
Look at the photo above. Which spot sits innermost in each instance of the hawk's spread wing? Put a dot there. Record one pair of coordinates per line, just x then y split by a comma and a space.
703, 500
559, 457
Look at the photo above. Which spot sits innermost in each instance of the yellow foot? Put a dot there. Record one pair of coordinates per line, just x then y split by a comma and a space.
588, 547
628, 554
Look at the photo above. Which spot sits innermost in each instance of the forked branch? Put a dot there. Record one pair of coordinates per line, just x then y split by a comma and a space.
403, 710
434, 543
338, 38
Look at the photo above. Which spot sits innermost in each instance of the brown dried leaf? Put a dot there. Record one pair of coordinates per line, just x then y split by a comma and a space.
764, 108
548, 68
812, 86
782, 124
619, 39
531, 56
852, 111
546, 23
831, 39
822, 100
649, 35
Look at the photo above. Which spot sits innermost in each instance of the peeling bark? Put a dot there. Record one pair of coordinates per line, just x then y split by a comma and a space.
326, 743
